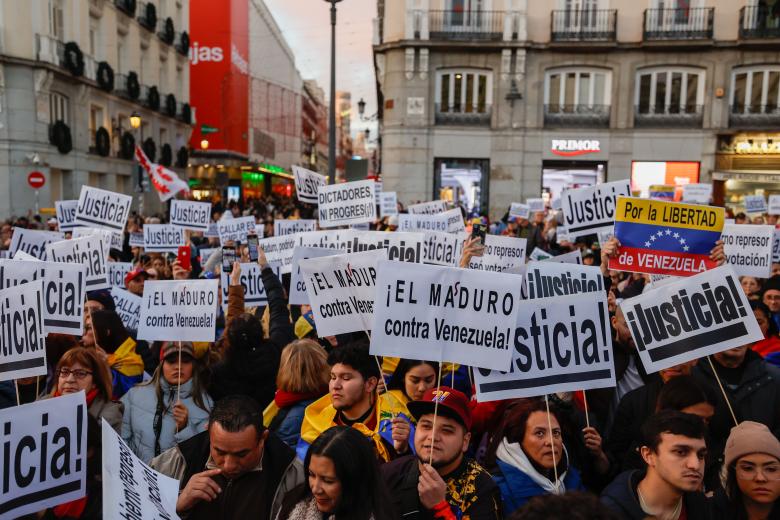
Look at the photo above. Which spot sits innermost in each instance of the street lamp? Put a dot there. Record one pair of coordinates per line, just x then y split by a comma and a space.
135, 120
332, 115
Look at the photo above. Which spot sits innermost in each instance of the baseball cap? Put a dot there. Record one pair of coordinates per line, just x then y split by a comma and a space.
452, 404
135, 273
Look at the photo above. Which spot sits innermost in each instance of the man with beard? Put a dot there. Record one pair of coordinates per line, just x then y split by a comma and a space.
449, 485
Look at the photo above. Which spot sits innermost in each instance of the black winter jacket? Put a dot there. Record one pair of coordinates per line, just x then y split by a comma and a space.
621, 497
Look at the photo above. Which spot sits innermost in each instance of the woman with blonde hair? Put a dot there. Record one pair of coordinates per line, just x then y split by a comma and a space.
82, 369
302, 379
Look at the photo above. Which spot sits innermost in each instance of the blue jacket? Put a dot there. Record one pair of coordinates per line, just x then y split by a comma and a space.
517, 487
289, 430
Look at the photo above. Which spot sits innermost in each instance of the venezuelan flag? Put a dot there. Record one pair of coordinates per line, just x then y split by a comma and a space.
659, 237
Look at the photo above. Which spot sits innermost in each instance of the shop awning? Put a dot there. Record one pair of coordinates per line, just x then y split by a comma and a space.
747, 175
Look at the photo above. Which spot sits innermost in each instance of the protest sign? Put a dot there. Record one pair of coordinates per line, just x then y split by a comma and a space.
519, 210
592, 209
365, 226
136, 239
190, 214
279, 250
298, 295
401, 246
691, 318
66, 214
87, 251
346, 203
388, 204
32, 242
662, 191
445, 314
535, 205
131, 489
212, 231
334, 239
748, 249
21, 255
501, 253
44, 456
665, 237
774, 205
235, 229
776, 246
539, 254
572, 257
260, 230
22, 333
454, 220
697, 193
291, 227
163, 238
110, 238
550, 278
179, 310
378, 185
562, 234
341, 290
117, 272
428, 208
557, 348
407, 222
307, 184
442, 248
252, 280
128, 307
755, 204
102, 208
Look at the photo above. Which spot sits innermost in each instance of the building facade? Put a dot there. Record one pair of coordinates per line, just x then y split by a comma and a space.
491, 102
72, 72
314, 127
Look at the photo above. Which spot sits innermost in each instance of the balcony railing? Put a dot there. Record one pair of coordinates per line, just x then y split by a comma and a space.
674, 116
49, 49
451, 115
585, 25
754, 116
466, 25
576, 115
759, 22
679, 24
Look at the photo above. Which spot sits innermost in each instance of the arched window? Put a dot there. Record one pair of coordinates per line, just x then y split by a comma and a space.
570, 90
669, 90
755, 89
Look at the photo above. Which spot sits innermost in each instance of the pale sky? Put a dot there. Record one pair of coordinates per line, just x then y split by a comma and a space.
306, 27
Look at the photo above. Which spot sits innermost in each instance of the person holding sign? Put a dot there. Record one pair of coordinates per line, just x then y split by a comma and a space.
174, 402
113, 341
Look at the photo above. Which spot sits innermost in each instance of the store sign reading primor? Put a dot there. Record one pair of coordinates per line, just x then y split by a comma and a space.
574, 147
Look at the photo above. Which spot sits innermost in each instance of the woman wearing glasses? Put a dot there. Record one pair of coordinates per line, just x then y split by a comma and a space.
81, 369
752, 462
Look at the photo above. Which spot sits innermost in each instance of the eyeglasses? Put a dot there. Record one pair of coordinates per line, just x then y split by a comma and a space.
770, 472
78, 374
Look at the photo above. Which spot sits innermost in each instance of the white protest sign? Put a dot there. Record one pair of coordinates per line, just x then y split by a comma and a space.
755, 204
110, 238
697, 316
519, 210
103, 209
388, 204
445, 314
298, 295
190, 214
87, 251
66, 214
183, 310
335, 239
549, 279
251, 278
341, 290
562, 234
378, 185
346, 203
212, 231
307, 184
407, 222
401, 246
558, 347
442, 248
260, 230
21, 255
131, 489
697, 193
776, 246
589, 210
501, 253
539, 254
454, 220
128, 306
279, 250
291, 227
22, 333
163, 238
205, 253
45, 455
748, 249
365, 226
535, 205
117, 272
428, 208
235, 229
572, 257
32, 242
774, 205
136, 239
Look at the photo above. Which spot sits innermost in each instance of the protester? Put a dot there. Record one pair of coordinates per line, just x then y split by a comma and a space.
771, 298
134, 281
688, 394
769, 347
302, 379
573, 505
235, 469
82, 369
411, 379
343, 481
751, 286
440, 481
112, 338
174, 403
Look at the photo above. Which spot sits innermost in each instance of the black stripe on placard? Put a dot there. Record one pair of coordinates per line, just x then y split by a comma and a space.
733, 331
118, 227
99, 281
517, 384
21, 365
588, 226
62, 323
38, 496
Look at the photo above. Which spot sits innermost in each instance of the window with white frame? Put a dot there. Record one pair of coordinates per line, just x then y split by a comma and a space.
464, 91
56, 19
59, 108
576, 89
666, 90
755, 90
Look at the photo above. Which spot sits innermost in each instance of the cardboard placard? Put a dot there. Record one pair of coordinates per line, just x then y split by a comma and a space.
748, 249
572, 257
501, 253
22, 333
697, 193
136, 239
103, 209
776, 246
454, 220
189, 214
587, 211
87, 251
117, 272
519, 210
291, 227
279, 250
163, 238
335, 239
774, 205
388, 204
539, 254
433, 207
235, 229
212, 231
298, 294
755, 204
346, 203
550, 278
535, 205
442, 248
66, 214
401, 246
307, 184
252, 280
412, 223
128, 306
183, 310
32, 242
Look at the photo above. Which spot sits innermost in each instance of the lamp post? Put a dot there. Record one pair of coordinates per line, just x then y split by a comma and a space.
135, 124
332, 115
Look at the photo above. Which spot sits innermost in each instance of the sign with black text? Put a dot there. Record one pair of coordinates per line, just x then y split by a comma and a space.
235, 229
128, 307
442, 248
748, 249
501, 253
183, 310
87, 251
163, 238
279, 250
774, 205
190, 214
697, 193
291, 227
117, 272
298, 295
251, 279
66, 214
519, 210
32, 242
307, 184
755, 204
589, 210
103, 209
388, 204
551, 278
433, 207
22, 333
136, 239
346, 203
334, 239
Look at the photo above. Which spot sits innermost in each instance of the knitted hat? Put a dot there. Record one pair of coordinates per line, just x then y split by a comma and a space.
750, 437
172, 348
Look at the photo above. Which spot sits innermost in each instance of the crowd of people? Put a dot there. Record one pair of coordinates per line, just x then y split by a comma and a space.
273, 422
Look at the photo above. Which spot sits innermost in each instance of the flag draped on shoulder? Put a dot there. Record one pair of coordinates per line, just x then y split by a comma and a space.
165, 181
